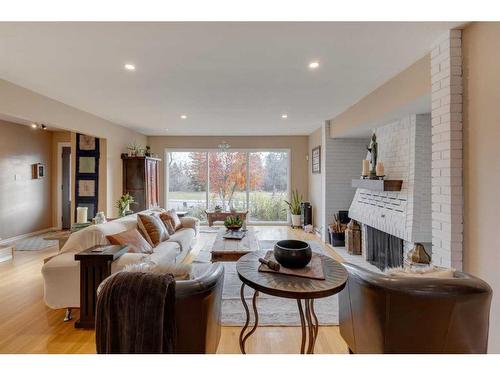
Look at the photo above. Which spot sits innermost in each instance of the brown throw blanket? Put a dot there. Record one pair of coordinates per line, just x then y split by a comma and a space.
136, 314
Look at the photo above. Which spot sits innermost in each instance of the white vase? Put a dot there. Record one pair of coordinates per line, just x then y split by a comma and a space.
296, 220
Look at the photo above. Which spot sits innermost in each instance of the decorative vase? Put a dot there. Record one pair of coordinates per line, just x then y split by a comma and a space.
296, 220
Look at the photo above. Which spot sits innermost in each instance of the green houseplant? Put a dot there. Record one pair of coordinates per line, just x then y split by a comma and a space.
123, 204
294, 206
233, 223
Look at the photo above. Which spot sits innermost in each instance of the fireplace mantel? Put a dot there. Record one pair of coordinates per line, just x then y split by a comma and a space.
378, 185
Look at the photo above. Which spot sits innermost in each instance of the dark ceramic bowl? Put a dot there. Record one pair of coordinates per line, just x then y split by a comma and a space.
292, 253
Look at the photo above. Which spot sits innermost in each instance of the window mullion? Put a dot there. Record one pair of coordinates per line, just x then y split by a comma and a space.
248, 181
207, 184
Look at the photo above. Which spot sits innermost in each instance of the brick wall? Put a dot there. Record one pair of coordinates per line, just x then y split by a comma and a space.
404, 148
447, 195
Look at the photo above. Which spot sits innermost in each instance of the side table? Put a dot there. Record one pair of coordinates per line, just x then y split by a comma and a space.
94, 268
303, 290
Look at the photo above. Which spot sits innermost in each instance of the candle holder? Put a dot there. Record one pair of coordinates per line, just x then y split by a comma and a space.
380, 177
364, 177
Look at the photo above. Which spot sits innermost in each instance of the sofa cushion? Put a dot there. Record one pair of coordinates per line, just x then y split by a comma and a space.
168, 222
127, 260
184, 237
165, 252
176, 222
132, 238
152, 228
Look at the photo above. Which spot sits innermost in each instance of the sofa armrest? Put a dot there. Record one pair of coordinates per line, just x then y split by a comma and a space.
191, 222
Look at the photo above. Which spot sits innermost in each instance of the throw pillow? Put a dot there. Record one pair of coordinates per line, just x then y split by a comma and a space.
175, 218
132, 237
168, 221
180, 271
430, 272
152, 229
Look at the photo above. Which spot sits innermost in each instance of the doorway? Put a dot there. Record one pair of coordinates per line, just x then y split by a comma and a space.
65, 186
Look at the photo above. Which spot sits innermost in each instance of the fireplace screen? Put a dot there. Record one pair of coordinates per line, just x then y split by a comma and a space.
382, 249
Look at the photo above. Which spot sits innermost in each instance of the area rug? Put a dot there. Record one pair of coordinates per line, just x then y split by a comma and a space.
35, 243
273, 311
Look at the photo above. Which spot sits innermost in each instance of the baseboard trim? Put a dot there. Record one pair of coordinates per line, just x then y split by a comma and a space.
10, 240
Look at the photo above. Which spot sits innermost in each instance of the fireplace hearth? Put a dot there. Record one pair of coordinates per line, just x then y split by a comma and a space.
382, 249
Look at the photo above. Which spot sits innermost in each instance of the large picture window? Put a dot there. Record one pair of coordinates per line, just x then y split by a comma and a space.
256, 181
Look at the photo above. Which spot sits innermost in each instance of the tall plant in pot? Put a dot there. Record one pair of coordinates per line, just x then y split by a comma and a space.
294, 206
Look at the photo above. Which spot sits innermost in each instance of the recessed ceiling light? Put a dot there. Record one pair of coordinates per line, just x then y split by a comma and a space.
284, 115
34, 126
313, 65
184, 117
129, 66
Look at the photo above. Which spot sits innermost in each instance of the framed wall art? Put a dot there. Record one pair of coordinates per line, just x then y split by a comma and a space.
316, 159
87, 174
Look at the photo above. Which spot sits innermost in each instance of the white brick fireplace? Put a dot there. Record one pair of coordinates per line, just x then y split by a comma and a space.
407, 214
405, 150
447, 194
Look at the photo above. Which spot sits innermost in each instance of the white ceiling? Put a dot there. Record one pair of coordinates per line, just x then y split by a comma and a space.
229, 78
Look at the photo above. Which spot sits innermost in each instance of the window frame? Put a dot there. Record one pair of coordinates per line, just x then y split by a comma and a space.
248, 151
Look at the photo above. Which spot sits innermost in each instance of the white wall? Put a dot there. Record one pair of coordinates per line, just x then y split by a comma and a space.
21, 103
342, 164
331, 190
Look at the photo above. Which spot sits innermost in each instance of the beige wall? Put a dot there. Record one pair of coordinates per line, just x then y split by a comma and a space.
298, 146
315, 184
405, 93
481, 123
25, 202
18, 102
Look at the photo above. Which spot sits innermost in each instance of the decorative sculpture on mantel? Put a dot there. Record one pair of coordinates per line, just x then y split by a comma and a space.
373, 149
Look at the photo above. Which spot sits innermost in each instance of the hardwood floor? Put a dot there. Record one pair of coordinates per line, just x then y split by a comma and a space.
27, 325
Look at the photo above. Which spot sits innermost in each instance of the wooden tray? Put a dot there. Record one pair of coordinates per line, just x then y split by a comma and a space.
314, 270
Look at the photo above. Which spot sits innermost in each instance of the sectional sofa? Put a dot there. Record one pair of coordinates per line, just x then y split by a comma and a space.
61, 273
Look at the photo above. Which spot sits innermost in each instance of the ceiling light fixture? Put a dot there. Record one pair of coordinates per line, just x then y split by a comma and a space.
184, 117
34, 126
313, 65
44, 127
129, 67
284, 115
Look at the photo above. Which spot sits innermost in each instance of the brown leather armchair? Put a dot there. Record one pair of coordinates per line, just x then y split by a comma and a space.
381, 314
198, 310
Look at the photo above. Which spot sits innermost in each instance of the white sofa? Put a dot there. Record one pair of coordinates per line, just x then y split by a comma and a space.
61, 273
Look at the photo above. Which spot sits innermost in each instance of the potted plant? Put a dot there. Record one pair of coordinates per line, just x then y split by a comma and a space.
217, 208
294, 206
233, 223
123, 204
337, 232
133, 149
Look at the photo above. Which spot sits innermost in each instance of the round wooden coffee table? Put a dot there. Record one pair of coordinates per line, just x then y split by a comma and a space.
304, 290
